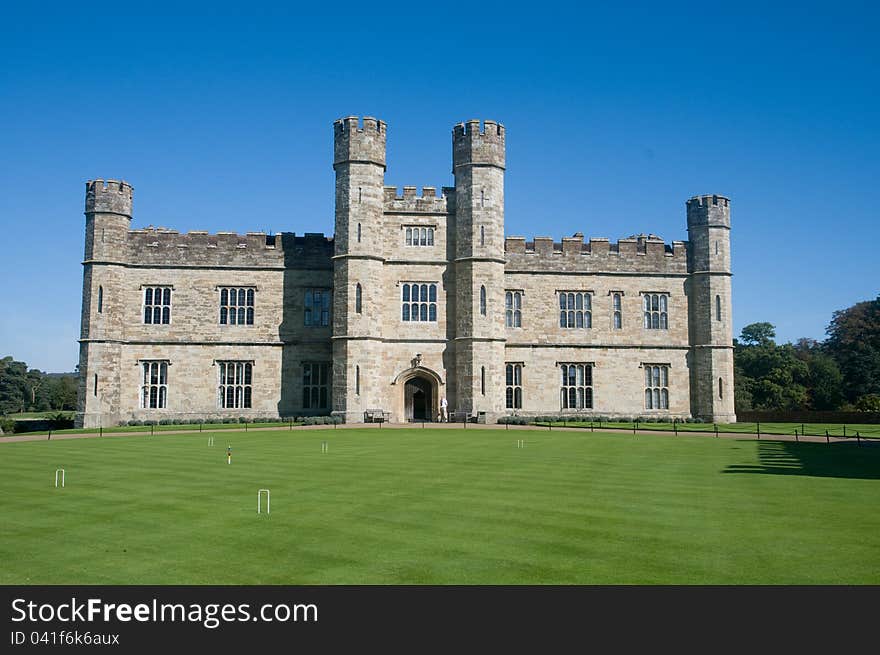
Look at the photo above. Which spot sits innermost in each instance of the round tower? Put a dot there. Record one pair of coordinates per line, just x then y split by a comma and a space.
359, 163
108, 210
108, 217
709, 302
478, 157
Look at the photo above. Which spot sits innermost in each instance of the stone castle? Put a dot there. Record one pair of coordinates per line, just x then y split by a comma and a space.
417, 297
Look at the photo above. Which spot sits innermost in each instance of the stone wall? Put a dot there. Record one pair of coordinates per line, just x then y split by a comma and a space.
373, 351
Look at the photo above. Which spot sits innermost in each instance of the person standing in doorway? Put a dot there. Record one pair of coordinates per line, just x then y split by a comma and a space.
444, 415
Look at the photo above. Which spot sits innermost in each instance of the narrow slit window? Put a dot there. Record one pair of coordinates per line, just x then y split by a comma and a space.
100, 299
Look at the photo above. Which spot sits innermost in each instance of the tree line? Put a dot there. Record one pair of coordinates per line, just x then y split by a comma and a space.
840, 373
24, 389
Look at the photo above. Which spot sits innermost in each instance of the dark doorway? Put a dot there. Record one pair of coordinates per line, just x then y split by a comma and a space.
418, 399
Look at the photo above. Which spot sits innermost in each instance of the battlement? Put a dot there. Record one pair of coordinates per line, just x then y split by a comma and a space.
354, 141
476, 144
162, 246
407, 200
109, 196
708, 210
638, 253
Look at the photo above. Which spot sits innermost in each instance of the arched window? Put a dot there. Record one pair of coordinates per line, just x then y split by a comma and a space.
482, 300
358, 296
717, 308
100, 299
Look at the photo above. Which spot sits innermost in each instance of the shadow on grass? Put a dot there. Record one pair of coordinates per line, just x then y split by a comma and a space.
836, 460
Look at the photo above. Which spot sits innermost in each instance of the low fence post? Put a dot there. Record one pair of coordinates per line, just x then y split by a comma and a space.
591, 426
844, 430
803, 431
827, 439
759, 429
635, 425
675, 426
796, 435
858, 439
716, 430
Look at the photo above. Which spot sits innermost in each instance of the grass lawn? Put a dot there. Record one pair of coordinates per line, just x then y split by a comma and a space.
813, 429
439, 507
39, 415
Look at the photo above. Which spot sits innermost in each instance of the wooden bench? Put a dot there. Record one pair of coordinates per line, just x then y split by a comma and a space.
376, 416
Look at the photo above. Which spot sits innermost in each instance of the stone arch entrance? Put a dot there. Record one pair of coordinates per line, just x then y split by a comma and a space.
418, 394
418, 399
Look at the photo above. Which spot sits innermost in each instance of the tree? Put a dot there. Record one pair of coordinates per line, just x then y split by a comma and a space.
770, 376
869, 403
758, 334
854, 343
14, 386
825, 384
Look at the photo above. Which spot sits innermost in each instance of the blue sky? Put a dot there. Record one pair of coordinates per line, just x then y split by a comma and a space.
220, 116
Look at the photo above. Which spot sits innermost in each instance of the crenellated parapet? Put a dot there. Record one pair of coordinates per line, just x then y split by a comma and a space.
358, 142
474, 144
164, 247
711, 210
109, 197
638, 254
408, 201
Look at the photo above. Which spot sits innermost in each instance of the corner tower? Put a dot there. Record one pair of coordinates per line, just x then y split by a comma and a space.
711, 327
359, 163
478, 158
108, 211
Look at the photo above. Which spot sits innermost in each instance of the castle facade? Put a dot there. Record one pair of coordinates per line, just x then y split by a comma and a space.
417, 297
